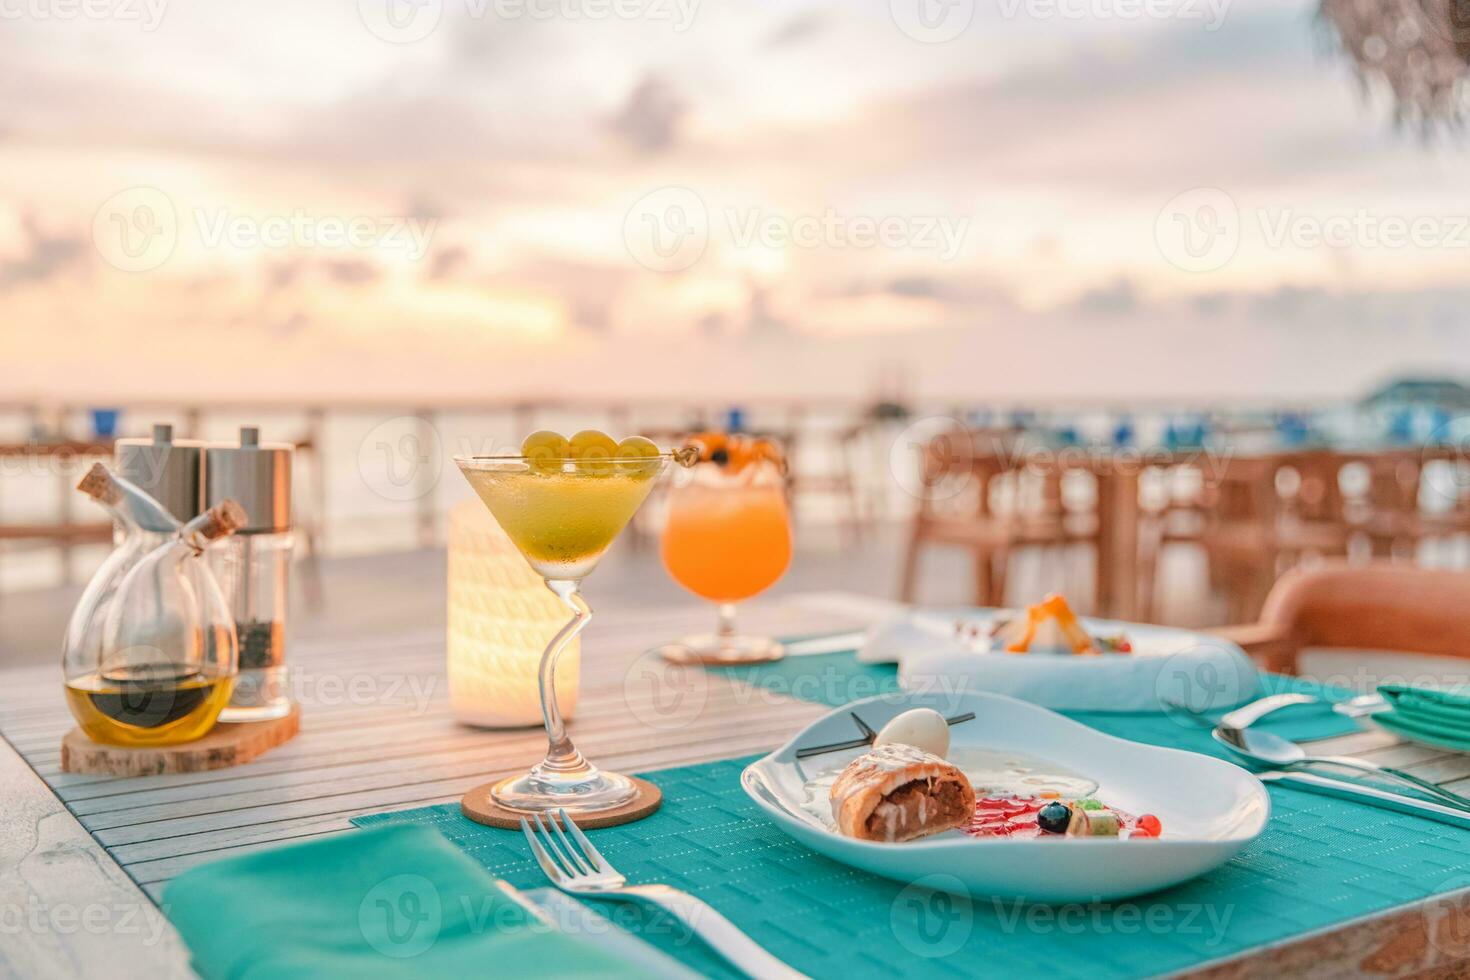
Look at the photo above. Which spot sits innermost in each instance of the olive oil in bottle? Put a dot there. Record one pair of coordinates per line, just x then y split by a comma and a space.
146, 705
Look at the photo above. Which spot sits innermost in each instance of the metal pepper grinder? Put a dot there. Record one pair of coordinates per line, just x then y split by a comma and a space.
167, 470
253, 567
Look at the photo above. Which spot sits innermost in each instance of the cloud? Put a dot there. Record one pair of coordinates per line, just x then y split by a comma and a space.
1115, 299
44, 256
446, 263
802, 27
649, 120
916, 286
351, 272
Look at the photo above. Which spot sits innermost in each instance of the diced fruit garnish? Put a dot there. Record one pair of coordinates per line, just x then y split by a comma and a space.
1054, 817
1094, 823
1088, 803
734, 450
1150, 825
546, 449
768, 451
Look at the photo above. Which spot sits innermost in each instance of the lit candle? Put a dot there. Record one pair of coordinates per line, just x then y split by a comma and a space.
501, 616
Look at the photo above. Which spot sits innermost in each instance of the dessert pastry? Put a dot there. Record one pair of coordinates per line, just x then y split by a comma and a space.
899, 792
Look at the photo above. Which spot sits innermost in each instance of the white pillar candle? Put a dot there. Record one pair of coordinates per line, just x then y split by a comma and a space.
501, 616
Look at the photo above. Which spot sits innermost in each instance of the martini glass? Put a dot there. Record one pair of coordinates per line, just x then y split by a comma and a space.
562, 514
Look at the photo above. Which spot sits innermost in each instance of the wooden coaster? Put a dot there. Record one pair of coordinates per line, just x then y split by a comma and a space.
679, 653
225, 745
479, 807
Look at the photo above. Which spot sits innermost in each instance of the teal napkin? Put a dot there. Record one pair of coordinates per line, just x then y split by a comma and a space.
393, 902
1439, 716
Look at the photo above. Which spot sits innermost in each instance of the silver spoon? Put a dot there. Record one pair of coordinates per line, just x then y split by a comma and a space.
1275, 752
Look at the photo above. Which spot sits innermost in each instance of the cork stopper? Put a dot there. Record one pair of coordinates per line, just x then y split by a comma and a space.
222, 519
99, 485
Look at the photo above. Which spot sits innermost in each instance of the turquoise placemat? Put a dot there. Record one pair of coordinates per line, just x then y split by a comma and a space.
1321, 862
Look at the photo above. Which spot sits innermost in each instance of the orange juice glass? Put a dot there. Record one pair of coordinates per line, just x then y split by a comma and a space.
728, 538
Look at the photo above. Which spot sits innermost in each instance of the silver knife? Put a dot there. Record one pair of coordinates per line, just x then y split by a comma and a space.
1372, 796
836, 643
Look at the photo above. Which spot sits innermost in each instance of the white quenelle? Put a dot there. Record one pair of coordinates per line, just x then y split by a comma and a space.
923, 728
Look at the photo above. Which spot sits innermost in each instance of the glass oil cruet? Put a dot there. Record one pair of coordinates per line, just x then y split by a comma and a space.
166, 660
141, 523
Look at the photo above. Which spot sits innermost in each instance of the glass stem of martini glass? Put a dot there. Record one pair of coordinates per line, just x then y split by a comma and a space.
562, 758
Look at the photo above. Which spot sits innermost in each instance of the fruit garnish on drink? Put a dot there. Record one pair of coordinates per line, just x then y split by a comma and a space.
735, 451
1049, 626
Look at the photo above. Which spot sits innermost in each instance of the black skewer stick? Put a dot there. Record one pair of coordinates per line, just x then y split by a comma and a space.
868, 736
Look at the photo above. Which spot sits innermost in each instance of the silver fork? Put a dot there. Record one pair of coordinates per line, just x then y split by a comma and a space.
580, 869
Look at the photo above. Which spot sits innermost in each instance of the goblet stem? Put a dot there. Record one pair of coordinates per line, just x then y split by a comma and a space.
727, 620
562, 756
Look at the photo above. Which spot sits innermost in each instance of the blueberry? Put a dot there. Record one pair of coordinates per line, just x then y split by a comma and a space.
1054, 817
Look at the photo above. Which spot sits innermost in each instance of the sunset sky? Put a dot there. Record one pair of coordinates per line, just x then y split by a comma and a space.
502, 197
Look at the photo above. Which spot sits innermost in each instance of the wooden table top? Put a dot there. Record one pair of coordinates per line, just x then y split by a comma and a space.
83, 858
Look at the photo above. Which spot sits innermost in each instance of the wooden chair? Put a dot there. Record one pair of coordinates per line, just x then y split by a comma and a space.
837, 481
1374, 606
1003, 507
1271, 512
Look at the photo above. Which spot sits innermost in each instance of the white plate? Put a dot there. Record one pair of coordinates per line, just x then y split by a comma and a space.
1209, 808
1205, 672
